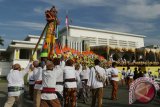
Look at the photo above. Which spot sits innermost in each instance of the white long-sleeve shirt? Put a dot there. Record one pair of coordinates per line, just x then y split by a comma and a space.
16, 79
37, 74
48, 81
93, 82
84, 74
59, 71
123, 74
68, 73
79, 83
113, 71
130, 74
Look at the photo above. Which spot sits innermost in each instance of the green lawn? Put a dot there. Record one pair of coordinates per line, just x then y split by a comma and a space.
3, 81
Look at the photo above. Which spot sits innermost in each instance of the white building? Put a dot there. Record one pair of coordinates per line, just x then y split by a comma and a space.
98, 37
19, 51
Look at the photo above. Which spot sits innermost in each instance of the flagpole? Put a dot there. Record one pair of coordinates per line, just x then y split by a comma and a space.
67, 37
67, 28
39, 40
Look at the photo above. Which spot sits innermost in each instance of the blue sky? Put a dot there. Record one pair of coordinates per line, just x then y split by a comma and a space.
18, 18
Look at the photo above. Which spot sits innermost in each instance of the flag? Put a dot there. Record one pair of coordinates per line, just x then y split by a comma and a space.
67, 23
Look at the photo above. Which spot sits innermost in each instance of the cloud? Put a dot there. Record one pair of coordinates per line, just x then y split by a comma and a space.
140, 9
137, 9
141, 27
29, 25
151, 41
107, 26
71, 3
41, 10
118, 28
88, 2
38, 10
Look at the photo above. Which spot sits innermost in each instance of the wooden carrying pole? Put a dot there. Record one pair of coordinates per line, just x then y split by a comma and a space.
39, 40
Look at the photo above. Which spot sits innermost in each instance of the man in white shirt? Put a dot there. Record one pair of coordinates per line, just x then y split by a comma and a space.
59, 78
84, 76
48, 95
96, 86
16, 85
31, 83
114, 80
37, 74
130, 75
145, 74
70, 84
123, 72
108, 77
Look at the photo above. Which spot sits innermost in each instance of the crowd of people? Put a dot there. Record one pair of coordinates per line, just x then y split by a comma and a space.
128, 75
59, 83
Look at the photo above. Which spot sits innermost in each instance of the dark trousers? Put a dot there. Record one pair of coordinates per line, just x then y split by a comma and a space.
31, 91
97, 94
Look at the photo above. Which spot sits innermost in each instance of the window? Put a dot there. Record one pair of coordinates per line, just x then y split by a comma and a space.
123, 43
24, 54
102, 41
131, 44
113, 42
92, 41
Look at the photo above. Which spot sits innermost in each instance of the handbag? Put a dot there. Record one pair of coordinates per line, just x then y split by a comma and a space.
99, 77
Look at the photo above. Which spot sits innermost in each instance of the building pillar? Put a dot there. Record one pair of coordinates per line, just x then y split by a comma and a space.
81, 47
72, 45
75, 45
16, 54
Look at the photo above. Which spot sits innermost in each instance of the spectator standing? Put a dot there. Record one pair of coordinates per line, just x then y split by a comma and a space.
123, 72
135, 74
130, 76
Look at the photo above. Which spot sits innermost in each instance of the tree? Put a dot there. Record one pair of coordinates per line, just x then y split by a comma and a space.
1, 41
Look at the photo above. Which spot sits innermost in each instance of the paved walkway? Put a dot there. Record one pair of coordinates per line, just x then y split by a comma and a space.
121, 102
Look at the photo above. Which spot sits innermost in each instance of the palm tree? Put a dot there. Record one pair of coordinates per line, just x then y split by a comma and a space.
1, 41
